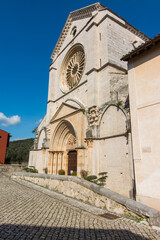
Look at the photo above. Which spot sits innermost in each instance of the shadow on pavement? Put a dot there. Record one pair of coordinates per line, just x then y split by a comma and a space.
9, 231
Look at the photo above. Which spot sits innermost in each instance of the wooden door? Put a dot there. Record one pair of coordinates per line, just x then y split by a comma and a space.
72, 162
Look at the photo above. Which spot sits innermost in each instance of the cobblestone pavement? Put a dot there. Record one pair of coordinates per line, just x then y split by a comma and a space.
26, 213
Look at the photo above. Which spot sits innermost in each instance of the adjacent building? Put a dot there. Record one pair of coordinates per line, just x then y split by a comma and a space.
144, 94
4, 141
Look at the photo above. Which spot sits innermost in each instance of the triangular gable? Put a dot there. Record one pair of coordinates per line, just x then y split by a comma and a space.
85, 12
63, 110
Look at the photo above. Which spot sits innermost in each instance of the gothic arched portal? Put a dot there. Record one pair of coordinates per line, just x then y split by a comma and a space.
63, 146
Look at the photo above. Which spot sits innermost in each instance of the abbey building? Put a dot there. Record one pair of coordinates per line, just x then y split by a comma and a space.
87, 124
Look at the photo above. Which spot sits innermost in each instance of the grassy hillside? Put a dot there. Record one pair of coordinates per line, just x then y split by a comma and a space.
18, 151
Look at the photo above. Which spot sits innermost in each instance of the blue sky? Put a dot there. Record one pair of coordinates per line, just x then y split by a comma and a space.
29, 31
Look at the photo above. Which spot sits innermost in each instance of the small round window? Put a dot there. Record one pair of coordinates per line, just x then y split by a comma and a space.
74, 31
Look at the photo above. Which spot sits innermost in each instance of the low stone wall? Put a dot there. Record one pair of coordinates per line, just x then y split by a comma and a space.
88, 192
10, 168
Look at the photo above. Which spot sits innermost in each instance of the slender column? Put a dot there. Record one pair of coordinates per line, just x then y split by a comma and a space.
90, 155
65, 162
81, 163
61, 160
44, 155
52, 162
56, 162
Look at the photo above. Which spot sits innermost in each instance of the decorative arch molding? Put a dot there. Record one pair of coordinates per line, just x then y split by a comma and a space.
81, 105
63, 132
118, 108
42, 129
39, 135
115, 122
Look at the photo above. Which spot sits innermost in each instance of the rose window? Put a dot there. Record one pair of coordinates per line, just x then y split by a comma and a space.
72, 68
75, 69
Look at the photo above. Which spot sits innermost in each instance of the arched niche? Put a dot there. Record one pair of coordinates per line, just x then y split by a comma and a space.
114, 151
113, 121
42, 136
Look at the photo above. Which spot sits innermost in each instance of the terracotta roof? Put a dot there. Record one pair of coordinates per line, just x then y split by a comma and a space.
143, 47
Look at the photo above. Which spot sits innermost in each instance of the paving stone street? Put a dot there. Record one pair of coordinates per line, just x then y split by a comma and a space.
26, 213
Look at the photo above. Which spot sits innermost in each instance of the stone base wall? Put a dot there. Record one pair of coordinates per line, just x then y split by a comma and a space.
91, 193
38, 159
10, 168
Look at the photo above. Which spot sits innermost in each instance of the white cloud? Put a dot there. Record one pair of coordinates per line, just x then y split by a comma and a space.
6, 121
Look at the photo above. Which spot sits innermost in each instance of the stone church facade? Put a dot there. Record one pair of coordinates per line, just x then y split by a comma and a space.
87, 124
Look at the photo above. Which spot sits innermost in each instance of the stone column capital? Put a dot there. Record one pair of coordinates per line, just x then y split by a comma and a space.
89, 142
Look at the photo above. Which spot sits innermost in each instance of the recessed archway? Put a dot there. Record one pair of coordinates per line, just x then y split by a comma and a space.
63, 132
63, 142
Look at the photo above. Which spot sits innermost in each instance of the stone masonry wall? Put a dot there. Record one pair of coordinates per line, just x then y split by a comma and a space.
91, 193
10, 168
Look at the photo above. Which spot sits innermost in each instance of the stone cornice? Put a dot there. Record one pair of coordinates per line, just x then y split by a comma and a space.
88, 9
62, 37
52, 68
129, 26
137, 32
82, 16
53, 101
107, 137
104, 66
126, 25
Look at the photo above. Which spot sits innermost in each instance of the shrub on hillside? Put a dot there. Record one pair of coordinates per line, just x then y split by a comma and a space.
18, 151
